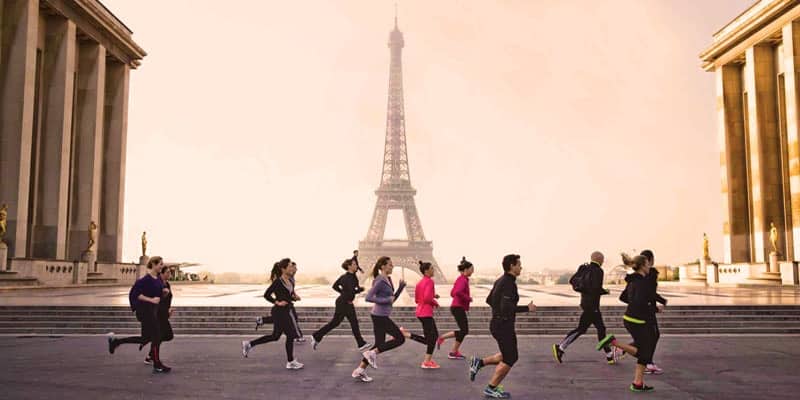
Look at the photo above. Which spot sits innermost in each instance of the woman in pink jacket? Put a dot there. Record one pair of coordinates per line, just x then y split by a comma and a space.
425, 296
459, 308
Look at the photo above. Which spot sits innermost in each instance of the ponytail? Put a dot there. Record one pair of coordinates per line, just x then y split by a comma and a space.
378, 265
277, 269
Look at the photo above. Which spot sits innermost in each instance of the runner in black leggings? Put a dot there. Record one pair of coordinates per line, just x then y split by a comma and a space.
425, 297
164, 313
658, 306
383, 295
459, 308
280, 293
147, 292
639, 293
503, 299
347, 286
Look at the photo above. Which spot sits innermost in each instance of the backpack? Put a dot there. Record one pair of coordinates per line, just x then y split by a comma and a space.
133, 295
580, 279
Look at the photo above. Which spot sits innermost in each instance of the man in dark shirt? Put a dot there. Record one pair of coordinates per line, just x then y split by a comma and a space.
148, 291
590, 304
347, 286
503, 299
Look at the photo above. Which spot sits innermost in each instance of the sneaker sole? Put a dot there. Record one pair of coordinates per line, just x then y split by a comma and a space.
555, 353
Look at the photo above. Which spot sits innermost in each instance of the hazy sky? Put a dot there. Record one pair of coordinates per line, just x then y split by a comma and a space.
547, 128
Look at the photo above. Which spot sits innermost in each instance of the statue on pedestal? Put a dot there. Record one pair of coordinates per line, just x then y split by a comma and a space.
3, 221
773, 237
705, 247
144, 244
92, 233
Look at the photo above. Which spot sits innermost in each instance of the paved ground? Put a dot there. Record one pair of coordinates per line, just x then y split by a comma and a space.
212, 368
322, 295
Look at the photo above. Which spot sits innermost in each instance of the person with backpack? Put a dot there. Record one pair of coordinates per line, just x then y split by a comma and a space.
144, 297
588, 280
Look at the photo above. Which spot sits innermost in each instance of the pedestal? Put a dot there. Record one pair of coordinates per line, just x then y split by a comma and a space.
90, 258
141, 269
773, 262
79, 273
3, 256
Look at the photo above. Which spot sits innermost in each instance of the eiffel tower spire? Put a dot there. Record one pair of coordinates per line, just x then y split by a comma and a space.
395, 191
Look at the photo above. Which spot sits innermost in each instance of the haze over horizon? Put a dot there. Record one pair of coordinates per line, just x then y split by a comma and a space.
544, 128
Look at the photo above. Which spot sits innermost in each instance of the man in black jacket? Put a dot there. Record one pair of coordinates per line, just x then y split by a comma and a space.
503, 299
590, 304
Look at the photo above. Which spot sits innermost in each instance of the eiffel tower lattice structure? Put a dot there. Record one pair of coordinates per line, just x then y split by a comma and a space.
395, 191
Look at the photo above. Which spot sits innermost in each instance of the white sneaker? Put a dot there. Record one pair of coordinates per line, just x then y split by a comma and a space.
365, 347
294, 364
361, 375
372, 358
653, 369
314, 343
246, 346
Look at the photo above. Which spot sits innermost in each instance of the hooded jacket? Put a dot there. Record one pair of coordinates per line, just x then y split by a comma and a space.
640, 294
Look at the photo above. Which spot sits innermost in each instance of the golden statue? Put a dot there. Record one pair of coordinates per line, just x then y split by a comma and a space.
3, 221
773, 237
92, 232
705, 246
144, 244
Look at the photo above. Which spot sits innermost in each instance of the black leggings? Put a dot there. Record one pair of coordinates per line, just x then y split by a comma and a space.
431, 334
657, 334
463, 323
588, 318
382, 326
644, 339
283, 323
151, 332
342, 311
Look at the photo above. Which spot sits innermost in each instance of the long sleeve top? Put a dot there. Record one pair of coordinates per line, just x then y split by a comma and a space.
460, 293
383, 295
504, 298
347, 287
278, 291
590, 295
425, 296
640, 295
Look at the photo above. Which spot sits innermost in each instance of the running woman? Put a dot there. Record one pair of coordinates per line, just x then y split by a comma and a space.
590, 304
164, 312
459, 308
503, 299
280, 293
658, 305
147, 292
383, 295
640, 295
348, 287
425, 297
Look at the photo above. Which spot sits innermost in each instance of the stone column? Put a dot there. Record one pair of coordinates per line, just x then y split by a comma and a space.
50, 225
116, 125
20, 22
765, 170
733, 164
791, 68
88, 145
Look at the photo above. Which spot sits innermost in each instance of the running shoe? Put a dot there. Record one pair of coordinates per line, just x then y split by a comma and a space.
430, 365
605, 341
640, 388
161, 369
259, 322
246, 346
372, 358
111, 346
361, 375
495, 393
294, 364
557, 353
439, 342
653, 369
611, 360
455, 356
474, 367
148, 360
300, 340
365, 346
314, 343
619, 354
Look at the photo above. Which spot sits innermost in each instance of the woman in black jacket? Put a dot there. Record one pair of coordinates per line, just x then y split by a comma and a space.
281, 294
640, 295
347, 286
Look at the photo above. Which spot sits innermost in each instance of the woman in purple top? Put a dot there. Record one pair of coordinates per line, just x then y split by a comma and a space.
383, 295
459, 308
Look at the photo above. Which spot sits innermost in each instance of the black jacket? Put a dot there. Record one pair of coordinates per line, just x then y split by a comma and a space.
347, 286
640, 294
277, 291
652, 278
590, 295
504, 298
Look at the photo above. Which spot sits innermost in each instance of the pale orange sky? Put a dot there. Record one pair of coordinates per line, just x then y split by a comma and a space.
546, 128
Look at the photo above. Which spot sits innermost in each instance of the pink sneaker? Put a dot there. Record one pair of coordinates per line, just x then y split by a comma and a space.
455, 356
653, 370
430, 365
439, 342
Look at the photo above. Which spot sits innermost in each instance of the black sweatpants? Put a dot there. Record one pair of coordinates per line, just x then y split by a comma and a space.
430, 332
344, 310
644, 339
283, 324
150, 333
506, 336
463, 323
588, 318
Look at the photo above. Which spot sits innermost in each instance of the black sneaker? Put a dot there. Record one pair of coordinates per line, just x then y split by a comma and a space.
161, 369
640, 388
557, 353
111, 345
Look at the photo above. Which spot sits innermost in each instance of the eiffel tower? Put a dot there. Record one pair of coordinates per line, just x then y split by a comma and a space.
395, 191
